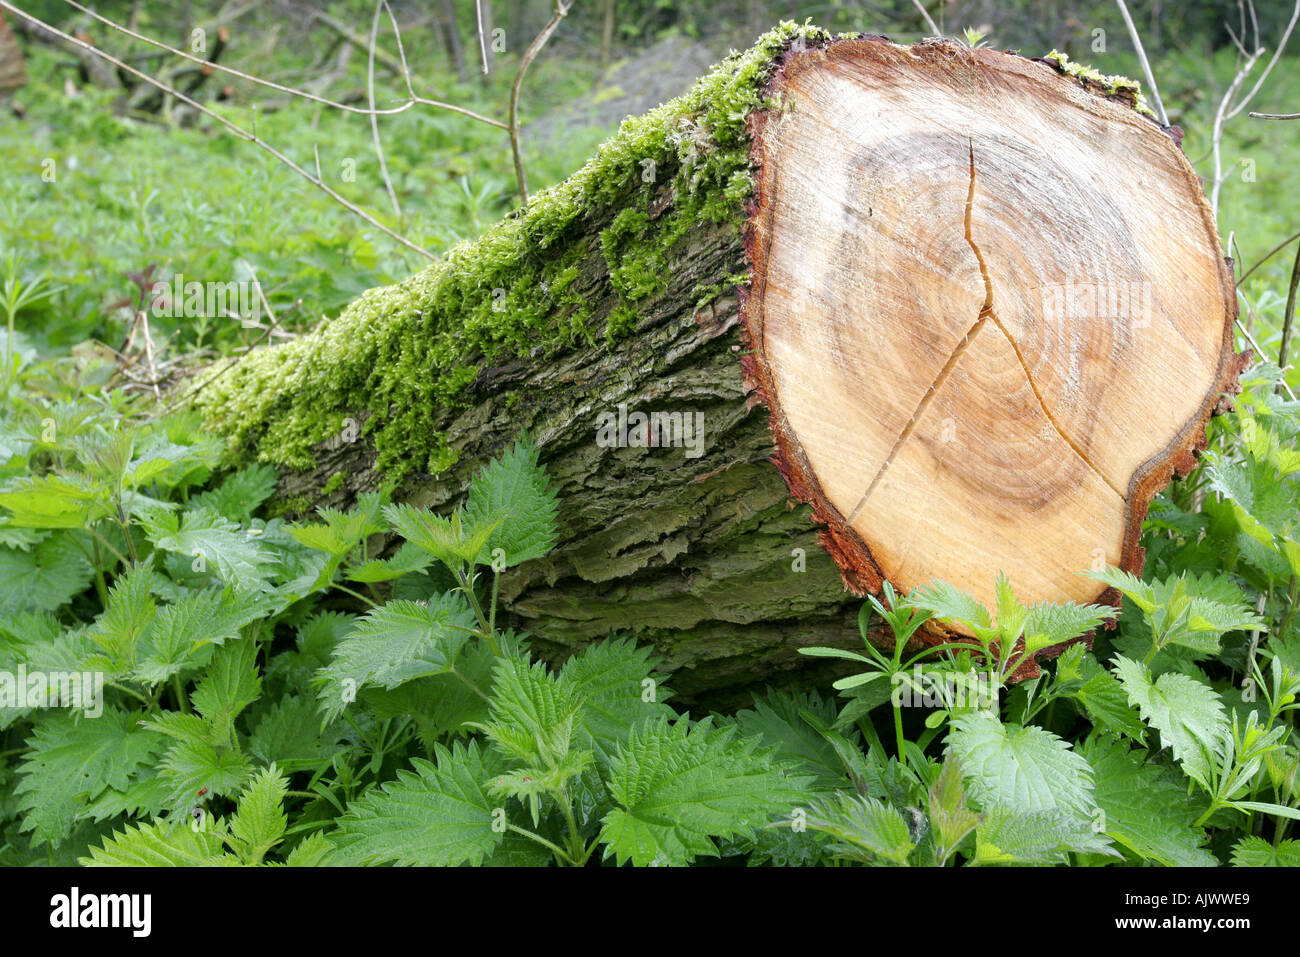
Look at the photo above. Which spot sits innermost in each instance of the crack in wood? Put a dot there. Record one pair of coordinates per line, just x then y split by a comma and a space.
986, 313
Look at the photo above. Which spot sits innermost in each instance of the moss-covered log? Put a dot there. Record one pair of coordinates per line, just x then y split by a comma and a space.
626, 291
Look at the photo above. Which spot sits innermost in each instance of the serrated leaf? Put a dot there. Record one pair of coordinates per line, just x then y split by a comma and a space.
1144, 807
1027, 768
72, 762
864, 828
240, 494
203, 536
230, 685
609, 678
259, 821
1188, 714
158, 845
43, 579
776, 718
512, 496
680, 787
395, 643
438, 815
1254, 851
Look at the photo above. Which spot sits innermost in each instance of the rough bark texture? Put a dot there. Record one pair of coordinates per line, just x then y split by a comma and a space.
714, 559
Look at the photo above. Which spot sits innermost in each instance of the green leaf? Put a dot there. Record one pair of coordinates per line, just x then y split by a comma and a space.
158, 845
1028, 768
289, 735
678, 789
72, 762
777, 719
208, 539
51, 501
45, 578
240, 495
1049, 624
1012, 836
183, 634
1188, 714
950, 818
259, 822
1105, 701
864, 828
609, 678
395, 643
439, 815
191, 767
1256, 852
1145, 806
131, 609
230, 685
511, 495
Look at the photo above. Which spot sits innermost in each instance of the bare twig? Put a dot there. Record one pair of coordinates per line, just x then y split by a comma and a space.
482, 40
1259, 353
1268, 255
534, 48
403, 70
929, 21
230, 125
374, 120
1288, 316
1276, 116
1146, 66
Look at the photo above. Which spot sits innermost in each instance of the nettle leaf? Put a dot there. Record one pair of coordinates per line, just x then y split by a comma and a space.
949, 603
395, 643
613, 679
1012, 836
210, 540
950, 818
183, 634
407, 559
438, 815
52, 501
447, 539
1105, 701
777, 719
1256, 852
195, 771
229, 686
259, 821
289, 735
679, 787
240, 494
1026, 768
161, 844
72, 762
1188, 714
1048, 624
341, 532
532, 714
45, 578
511, 495
1145, 807
131, 609
864, 828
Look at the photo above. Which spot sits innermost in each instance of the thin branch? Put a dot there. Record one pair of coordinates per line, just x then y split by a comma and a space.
1268, 255
233, 127
1286, 35
1288, 316
374, 120
1146, 67
929, 21
482, 40
1276, 116
534, 48
347, 108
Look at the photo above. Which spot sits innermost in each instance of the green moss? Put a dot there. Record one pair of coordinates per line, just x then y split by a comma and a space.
1126, 89
398, 351
334, 483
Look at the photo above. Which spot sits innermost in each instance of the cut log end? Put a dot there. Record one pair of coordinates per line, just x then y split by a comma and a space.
988, 314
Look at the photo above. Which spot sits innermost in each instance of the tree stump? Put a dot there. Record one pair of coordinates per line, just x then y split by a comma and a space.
948, 312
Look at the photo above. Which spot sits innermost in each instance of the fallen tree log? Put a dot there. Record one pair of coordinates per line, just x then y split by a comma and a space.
848, 311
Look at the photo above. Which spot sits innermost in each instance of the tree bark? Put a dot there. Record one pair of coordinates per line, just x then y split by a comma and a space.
857, 265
